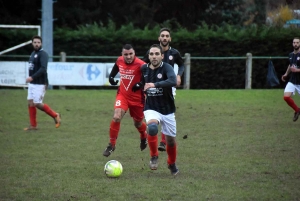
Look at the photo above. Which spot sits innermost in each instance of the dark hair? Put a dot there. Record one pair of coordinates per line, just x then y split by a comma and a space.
156, 46
127, 47
38, 37
165, 29
297, 38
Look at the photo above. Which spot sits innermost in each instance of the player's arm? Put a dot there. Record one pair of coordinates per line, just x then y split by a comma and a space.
171, 81
140, 85
287, 72
180, 62
114, 71
43, 65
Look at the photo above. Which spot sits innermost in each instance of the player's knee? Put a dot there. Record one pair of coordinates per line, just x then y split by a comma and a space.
117, 119
137, 124
152, 129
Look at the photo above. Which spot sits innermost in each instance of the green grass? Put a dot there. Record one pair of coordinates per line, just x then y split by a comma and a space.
241, 145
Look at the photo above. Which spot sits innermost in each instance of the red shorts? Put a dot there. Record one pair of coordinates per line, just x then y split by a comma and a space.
136, 109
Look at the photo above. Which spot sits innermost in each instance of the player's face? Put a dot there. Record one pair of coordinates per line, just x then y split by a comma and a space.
164, 38
128, 55
36, 44
155, 56
296, 44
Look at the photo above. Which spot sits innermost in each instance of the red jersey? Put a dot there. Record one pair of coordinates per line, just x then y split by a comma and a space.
130, 74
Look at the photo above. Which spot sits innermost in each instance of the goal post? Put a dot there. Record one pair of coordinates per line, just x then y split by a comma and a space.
38, 27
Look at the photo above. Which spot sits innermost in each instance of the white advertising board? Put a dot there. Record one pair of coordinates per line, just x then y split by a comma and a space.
80, 74
13, 73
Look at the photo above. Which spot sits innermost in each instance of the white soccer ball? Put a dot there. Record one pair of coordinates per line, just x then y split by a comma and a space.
113, 168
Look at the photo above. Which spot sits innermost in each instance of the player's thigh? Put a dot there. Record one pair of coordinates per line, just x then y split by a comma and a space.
36, 92
151, 114
297, 89
168, 125
121, 102
289, 89
136, 112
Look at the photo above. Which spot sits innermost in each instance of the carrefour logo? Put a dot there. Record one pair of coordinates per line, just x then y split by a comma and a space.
92, 72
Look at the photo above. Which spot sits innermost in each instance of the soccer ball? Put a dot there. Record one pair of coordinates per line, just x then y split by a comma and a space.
113, 168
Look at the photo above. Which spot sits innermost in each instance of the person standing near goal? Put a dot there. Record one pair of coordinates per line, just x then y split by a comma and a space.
294, 81
37, 84
171, 56
158, 80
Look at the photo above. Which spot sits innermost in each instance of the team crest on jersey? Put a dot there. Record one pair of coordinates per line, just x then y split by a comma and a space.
35, 56
126, 80
298, 58
170, 57
159, 75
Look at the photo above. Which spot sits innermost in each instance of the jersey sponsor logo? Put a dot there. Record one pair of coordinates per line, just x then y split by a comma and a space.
126, 80
159, 75
31, 66
170, 57
155, 92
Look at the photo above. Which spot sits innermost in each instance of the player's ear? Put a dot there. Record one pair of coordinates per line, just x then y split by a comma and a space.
170, 39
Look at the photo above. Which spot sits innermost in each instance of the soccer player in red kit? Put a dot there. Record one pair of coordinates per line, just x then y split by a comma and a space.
129, 67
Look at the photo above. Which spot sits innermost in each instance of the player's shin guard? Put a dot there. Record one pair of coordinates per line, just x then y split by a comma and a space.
172, 153
142, 130
114, 132
49, 111
152, 142
32, 115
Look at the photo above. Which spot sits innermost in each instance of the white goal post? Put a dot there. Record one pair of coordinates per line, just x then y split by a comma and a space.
38, 27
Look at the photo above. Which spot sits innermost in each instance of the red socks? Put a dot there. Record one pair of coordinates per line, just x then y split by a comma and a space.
172, 153
49, 111
32, 115
291, 103
113, 132
142, 130
163, 138
152, 142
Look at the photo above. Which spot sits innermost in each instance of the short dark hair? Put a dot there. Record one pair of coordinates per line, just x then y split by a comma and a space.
38, 37
127, 47
297, 38
165, 29
156, 46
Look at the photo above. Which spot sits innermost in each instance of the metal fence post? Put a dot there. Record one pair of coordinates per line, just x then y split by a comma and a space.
187, 70
63, 58
248, 80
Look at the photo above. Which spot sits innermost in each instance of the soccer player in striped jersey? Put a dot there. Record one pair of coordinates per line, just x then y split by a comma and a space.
129, 67
172, 57
157, 83
38, 81
294, 81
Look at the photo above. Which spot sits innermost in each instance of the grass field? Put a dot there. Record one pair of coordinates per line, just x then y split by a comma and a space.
241, 145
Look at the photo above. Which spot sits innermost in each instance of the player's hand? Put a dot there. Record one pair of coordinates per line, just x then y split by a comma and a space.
283, 77
137, 86
29, 79
112, 81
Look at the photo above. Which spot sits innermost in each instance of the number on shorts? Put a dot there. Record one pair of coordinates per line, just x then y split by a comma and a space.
118, 103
